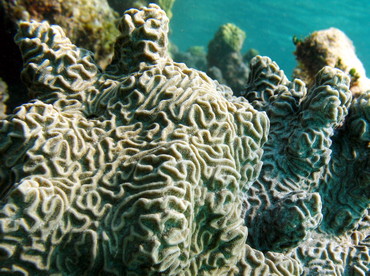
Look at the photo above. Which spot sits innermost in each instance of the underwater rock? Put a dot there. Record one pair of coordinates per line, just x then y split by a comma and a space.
153, 168
224, 60
329, 47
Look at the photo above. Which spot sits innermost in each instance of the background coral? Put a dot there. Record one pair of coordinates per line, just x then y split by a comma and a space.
123, 5
224, 60
195, 57
329, 47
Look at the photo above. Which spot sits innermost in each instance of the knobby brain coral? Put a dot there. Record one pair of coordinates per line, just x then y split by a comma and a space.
152, 168
311, 199
121, 6
134, 171
88, 23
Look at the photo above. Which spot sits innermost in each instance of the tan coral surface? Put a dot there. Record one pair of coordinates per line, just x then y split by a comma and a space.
90, 24
152, 168
134, 171
330, 47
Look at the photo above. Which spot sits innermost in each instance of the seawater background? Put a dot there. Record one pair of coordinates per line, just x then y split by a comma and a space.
271, 24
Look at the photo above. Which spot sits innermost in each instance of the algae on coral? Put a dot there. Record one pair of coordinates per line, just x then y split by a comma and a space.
333, 48
224, 60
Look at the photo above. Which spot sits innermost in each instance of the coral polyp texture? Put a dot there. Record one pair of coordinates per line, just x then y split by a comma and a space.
312, 196
152, 168
121, 6
135, 171
88, 23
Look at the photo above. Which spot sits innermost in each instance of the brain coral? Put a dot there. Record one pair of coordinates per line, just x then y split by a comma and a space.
152, 168
88, 23
121, 6
312, 196
135, 171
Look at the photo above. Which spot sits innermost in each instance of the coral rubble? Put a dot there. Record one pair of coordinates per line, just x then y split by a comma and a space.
153, 168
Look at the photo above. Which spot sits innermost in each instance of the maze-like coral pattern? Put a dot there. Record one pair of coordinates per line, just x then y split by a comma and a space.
54, 65
313, 189
143, 41
142, 174
152, 168
346, 184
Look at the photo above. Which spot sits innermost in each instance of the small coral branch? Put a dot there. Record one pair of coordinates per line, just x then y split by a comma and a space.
53, 65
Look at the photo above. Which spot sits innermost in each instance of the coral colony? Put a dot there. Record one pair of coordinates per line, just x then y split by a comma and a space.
153, 168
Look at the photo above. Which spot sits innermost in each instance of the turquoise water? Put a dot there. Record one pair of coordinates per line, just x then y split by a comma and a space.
270, 25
